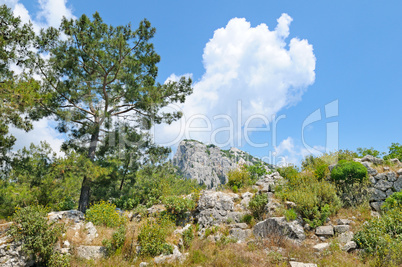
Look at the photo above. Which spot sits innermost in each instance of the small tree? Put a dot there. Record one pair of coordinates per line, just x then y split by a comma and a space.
96, 75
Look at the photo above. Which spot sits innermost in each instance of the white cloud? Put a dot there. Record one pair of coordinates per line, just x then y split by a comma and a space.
289, 153
252, 64
43, 130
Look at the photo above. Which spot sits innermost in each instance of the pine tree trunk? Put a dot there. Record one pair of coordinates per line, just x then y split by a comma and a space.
83, 203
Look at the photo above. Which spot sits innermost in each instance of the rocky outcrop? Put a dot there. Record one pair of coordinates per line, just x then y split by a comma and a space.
382, 184
209, 164
280, 227
90, 252
11, 254
216, 208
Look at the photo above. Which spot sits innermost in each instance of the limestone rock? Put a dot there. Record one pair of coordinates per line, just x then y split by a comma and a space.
324, 231
341, 228
398, 184
90, 252
71, 215
383, 185
349, 246
378, 195
279, 226
92, 233
343, 221
320, 247
176, 256
376, 205
369, 158
240, 234
345, 237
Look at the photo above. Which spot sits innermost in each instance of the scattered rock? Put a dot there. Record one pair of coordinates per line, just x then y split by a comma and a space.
155, 209
345, 237
71, 215
320, 247
176, 256
92, 233
343, 222
349, 246
372, 159
279, 226
341, 228
240, 234
376, 205
91, 252
324, 231
180, 231
143, 264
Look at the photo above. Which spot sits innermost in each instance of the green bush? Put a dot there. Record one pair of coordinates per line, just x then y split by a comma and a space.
382, 238
321, 171
104, 213
152, 237
315, 200
257, 205
38, 236
247, 218
235, 189
238, 178
256, 171
395, 151
290, 215
178, 206
347, 173
393, 201
188, 236
290, 173
116, 243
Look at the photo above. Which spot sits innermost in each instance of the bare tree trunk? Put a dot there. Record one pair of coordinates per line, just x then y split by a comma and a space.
83, 203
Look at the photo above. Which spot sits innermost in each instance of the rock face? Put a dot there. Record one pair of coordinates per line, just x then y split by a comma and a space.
209, 164
11, 254
217, 207
382, 184
279, 226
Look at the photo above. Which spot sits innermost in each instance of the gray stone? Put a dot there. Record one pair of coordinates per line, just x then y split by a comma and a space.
399, 172
378, 195
177, 256
239, 225
90, 252
398, 184
381, 176
370, 171
376, 205
391, 176
385, 168
395, 161
247, 195
324, 231
341, 228
372, 159
279, 226
92, 233
301, 264
143, 264
349, 246
345, 237
11, 254
389, 192
240, 234
343, 221
209, 165
71, 215
320, 247
383, 185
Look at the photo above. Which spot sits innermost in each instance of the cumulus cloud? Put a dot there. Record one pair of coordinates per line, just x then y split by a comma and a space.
289, 153
249, 71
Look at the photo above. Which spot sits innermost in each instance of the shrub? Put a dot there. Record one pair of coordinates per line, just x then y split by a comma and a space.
248, 218
256, 171
178, 206
290, 173
104, 213
152, 237
395, 151
290, 215
38, 236
116, 243
393, 201
347, 173
321, 171
235, 189
315, 200
382, 238
188, 236
257, 205
238, 178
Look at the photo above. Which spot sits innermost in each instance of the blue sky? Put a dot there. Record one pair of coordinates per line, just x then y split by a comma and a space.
356, 47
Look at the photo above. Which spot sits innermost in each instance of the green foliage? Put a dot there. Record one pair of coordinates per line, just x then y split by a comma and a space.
152, 237
290, 215
382, 238
368, 151
393, 201
257, 205
347, 173
155, 182
188, 236
239, 178
116, 243
256, 171
315, 200
38, 236
104, 213
178, 206
247, 218
290, 172
235, 189
321, 171
395, 151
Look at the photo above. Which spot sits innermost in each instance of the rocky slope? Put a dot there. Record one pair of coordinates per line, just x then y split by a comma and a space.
209, 164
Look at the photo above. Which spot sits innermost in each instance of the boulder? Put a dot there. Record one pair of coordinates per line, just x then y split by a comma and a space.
11, 254
324, 231
383, 185
349, 246
92, 233
343, 221
90, 252
172, 258
240, 234
369, 158
71, 215
398, 184
378, 195
341, 228
279, 226
320, 247
345, 237
376, 205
